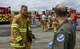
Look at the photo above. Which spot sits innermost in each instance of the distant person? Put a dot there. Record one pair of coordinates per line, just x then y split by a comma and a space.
34, 19
69, 16
50, 20
43, 21
74, 18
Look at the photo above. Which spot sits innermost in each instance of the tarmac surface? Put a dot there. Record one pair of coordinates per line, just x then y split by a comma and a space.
43, 38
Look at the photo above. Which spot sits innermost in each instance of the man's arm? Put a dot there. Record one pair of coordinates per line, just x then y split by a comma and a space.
61, 40
15, 35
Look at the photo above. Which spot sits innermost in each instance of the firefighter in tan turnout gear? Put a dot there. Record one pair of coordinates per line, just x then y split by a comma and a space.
20, 30
43, 21
50, 20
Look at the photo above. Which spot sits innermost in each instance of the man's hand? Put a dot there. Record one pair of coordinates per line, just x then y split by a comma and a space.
21, 42
50, 44
32, 35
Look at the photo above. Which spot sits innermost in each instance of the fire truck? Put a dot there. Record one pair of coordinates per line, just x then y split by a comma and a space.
5, 14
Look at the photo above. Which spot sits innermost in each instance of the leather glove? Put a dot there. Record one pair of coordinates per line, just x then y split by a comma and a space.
21, 42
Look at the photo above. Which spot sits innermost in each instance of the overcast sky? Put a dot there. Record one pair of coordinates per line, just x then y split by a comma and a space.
39, 5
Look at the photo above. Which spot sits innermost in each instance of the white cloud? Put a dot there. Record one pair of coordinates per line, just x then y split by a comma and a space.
39, 4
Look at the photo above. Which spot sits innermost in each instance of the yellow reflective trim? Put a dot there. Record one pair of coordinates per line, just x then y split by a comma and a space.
9, 14
0, 14
23, 29
18, 38
29, 28
3, 14
15, 25
55, 29
17, 45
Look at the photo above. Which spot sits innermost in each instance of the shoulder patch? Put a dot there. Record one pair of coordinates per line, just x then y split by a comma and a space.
60, 37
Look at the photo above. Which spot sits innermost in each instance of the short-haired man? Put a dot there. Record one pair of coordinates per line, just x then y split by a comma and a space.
20, 30
65, 37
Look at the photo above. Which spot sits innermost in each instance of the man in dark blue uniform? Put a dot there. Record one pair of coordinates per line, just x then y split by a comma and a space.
65, 37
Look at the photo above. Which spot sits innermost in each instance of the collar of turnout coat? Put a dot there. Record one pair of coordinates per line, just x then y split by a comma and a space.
66, 21
24, 16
